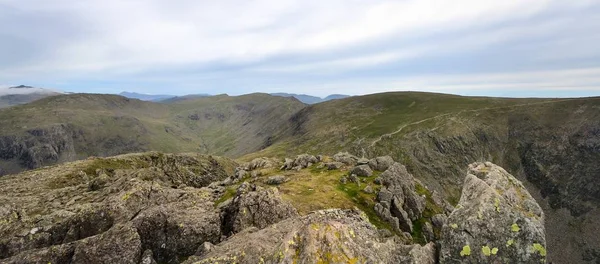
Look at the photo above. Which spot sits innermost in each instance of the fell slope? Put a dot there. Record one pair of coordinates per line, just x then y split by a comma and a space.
70, 127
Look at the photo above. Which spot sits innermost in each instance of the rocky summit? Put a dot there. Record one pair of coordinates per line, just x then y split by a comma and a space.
191, 208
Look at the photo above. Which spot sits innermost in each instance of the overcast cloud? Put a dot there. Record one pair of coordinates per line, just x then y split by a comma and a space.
473, 47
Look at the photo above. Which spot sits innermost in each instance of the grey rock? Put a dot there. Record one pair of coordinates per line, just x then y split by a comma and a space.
334, 165
362, 170
300, 162
110, 247
368, 189
377, 180
381, 163
353, 178
439, 220
345, 236
496, 218
204, 249
276, 180
147, 257
343, 180
362, 161
346, 158
399, 196
259, 163
428, 232
255, 206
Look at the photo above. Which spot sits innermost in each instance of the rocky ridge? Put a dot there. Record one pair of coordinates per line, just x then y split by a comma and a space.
164, 208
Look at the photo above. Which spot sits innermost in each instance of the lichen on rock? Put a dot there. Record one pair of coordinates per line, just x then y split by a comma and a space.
495, 210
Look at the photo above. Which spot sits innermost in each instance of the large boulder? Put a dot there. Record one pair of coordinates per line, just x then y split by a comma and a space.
327, 236
381, 163
362, 170
254, 206
496, 221
397, 201
275, 180
346, 158
300, 162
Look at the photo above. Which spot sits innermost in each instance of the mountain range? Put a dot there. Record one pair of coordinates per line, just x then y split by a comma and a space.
551, 145
22, 94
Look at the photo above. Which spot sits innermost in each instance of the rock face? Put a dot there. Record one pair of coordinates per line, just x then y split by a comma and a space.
362, 170
496, 221
398, 202
300, 162
39, 147
327, 236
381, 163
255, 206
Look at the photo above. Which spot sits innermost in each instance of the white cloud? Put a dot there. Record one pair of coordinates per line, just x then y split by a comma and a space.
119, 39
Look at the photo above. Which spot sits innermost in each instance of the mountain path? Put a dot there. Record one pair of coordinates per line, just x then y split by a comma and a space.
458, 113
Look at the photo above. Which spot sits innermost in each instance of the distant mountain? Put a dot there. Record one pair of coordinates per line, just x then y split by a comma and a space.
176, 99
309, 99
22, 94
335, 96
147, 97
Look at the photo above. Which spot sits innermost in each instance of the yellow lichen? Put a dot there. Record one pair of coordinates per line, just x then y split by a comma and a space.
454, 226
515, 227
486, 251
497, 204
466, 251
537, 247
510, 242
494, 251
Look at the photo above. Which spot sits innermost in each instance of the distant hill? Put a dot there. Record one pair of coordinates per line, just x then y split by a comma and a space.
176, 99
335, 96
147, 97
309, 99
22, 94
70, 127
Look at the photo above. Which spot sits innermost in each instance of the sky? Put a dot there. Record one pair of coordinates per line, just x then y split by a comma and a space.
512, 48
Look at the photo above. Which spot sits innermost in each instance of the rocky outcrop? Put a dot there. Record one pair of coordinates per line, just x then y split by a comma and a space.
254, 206
381, 163
346, 158
327, 236
259, 163
398, 202
300, 162
148, 202
496, 221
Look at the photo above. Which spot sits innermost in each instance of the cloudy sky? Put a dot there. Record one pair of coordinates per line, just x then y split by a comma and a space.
470, 47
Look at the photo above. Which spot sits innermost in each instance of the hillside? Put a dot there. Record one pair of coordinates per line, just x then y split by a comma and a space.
70, 127
550, 144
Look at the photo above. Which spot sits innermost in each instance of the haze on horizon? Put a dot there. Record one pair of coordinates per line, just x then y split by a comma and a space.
516, 48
